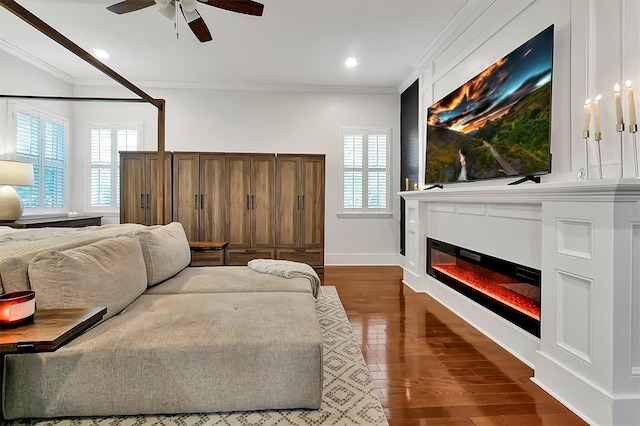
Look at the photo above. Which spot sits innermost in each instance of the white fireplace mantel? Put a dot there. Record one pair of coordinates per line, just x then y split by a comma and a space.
585, 238
528, 192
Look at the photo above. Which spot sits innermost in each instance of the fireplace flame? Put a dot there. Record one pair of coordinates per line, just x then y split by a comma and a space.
496, 291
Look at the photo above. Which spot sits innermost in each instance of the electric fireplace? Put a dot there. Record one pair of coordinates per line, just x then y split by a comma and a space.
508, 289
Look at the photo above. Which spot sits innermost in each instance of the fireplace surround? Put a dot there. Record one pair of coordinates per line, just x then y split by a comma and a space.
584, 238
505, 288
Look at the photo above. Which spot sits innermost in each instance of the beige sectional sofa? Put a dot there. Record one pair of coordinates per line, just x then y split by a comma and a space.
175, 339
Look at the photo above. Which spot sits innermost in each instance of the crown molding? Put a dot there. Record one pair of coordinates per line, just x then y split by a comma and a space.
189, 85
32, 60
465, 17
411, 78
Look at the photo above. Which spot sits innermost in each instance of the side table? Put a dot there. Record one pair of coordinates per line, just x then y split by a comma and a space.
207, 253
50, 329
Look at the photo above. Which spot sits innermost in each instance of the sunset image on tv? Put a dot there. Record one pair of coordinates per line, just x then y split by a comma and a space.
498, 123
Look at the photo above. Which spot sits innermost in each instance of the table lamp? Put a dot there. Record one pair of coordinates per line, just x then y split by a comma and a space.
13, 173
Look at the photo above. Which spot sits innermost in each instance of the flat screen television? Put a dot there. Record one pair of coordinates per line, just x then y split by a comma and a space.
498, 123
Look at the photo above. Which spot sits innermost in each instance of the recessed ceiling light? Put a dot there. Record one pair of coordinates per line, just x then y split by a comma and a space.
351, 62
101, 54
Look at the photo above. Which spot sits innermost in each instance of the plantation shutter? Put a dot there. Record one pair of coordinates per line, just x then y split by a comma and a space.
353, 160
100, 175
377, 170
28, 151
54, 147
106, 142
365, 184
41, 141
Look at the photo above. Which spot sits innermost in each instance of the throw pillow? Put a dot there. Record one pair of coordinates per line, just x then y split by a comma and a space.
108, 273
166, 251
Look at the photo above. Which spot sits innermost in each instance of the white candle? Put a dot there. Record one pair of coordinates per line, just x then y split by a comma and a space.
596, 114
632, 105
618, 104
587, 114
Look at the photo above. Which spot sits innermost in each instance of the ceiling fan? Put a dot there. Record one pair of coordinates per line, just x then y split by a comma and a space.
169, 8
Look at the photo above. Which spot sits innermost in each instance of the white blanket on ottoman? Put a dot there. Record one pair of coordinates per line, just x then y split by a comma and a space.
287, 269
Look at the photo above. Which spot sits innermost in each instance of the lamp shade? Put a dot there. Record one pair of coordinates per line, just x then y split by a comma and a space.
15, 173
169, 11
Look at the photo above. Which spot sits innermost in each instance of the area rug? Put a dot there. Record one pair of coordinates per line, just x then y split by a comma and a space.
348, 396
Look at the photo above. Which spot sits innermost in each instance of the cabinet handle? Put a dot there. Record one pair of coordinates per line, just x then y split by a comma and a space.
252, 203
248, 207
142, 201
202, 201
195, 203
148, 203
303, 202
298, 202
250, 250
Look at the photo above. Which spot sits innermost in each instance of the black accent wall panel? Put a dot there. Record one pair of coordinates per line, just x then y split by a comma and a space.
409, 147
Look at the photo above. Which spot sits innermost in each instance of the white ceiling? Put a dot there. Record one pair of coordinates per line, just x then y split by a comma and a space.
295, 43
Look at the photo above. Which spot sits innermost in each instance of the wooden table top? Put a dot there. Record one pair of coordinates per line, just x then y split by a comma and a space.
208, 245
50, 329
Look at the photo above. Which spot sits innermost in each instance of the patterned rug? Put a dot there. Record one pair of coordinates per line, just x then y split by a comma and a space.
348, 396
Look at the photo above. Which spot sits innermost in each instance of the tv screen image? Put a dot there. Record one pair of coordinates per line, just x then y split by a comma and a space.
498, 123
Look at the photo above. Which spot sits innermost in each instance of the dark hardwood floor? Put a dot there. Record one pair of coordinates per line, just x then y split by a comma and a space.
429, 366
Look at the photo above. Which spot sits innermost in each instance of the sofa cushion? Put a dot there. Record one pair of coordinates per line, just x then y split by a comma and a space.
228, 279
108, 273
179, 353
166, 251
16, 257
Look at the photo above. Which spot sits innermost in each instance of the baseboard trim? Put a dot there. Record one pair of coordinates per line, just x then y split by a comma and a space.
363, 259
587, 400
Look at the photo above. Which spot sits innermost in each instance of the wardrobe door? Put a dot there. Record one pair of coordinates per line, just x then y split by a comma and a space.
288, 202
238, 170
132, 188
212, 198
186, 193
312, 211
151, 171
263, 199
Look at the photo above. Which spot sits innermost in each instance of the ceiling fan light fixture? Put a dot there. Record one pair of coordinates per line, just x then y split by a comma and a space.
168, 11
190, 16
100, 54
189, 5
162, 3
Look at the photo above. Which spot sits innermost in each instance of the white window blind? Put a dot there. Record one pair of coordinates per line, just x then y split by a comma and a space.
106, 142
365, 171
41, 140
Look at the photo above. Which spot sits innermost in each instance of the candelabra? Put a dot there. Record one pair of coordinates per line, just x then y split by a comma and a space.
620, 130
598, 137
633, 129
585, 136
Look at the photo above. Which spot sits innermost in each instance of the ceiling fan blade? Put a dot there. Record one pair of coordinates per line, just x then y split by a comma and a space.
248, 7
127, 6
197, 25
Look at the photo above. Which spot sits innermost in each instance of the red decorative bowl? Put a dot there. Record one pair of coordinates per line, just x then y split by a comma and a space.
17, 308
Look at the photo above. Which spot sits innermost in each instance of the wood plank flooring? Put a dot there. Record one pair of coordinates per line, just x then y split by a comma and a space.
429, 366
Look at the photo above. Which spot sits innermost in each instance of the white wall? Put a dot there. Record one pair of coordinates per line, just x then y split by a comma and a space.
19, 78
232, 121
498, 28
597, 43
263, 121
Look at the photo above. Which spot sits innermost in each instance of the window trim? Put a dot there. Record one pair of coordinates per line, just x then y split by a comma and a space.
365, 212
115, 159
42, 116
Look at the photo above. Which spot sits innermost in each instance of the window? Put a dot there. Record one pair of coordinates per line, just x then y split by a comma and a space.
106, 142
365, 174
41, 140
